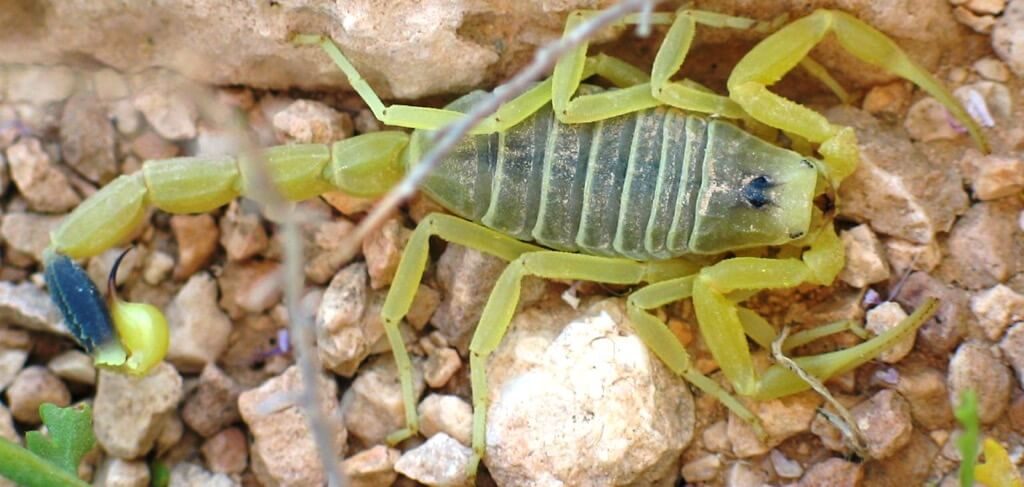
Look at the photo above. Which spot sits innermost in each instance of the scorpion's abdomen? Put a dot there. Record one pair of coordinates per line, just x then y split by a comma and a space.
630, 186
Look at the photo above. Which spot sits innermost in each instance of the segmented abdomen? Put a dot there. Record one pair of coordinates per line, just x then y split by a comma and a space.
625, 186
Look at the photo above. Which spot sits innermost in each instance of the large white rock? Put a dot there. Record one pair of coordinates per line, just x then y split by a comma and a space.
583, 404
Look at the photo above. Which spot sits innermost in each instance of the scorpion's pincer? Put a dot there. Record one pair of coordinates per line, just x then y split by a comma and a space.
128, 337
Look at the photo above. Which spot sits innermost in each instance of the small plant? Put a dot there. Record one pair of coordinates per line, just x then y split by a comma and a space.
53, 459
998, 470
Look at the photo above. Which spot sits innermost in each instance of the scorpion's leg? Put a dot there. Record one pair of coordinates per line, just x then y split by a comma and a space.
764, 334
658, 338
767, 62
508, 115
549, 264
723, 330
407, 279
571, 71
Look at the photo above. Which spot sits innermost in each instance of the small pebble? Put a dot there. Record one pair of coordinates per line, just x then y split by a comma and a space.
158, 266
992, 69
197, 241
442, 363
110, 84
892, 98
715, 437
307, 121
924, 387
187, 474
11, 361
199, 330
865, 258
32, 387
833, 472
250, 287
927, 120
1006, 39
129, 413
440, 413
885, 423
372, 467
423, 306
214, 403
241, 233
883, 318
373, 406
282, 441
29, 233
171, 113
742, 474
171, 433
781, 419
39, 85
326, 253
346, 204
1012, 346
702, 469
993, 7
975, 367
442, 460
785, 467
44, 186
115, 472
150, 146
981, 24
226, 451
383, 249
88, 139
75, 366
996, 308
27, 306
345, 329
994, 177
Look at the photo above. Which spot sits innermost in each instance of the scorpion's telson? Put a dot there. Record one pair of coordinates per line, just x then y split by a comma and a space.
621, 177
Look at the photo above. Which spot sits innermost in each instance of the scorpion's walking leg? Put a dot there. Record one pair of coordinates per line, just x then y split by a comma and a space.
407, 279
767, 62
571, 70
408, 116
502, 303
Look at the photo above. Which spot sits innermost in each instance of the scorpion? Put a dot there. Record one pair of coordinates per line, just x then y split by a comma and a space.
652, 183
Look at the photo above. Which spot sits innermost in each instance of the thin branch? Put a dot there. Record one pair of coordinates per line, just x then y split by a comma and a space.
447, 137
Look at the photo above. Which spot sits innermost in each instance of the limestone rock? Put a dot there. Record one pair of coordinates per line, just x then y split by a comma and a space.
75, 366
975, 367
197, 241
199, 330
44, 187
312, 122
115, 472
883, 318
383, 249
226, 451
985, 246
781, 419
1008, 36
187, 474
373, 406
885, 422
440, 461
87, 138
347, 325
865, 258
214, 403
372, 467
446, 414
997, 307
939, 335
29, 233
582, 403
129, 412
29, 307
32, 387
833, 472
896, 188
283, 452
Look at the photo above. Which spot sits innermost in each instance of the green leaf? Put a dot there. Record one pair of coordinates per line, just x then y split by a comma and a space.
159, 475
967, 414
70, 436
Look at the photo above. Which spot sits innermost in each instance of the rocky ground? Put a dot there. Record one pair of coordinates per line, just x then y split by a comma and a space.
577, 398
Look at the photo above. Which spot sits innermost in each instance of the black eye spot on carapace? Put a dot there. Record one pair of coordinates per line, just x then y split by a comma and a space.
755, 192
